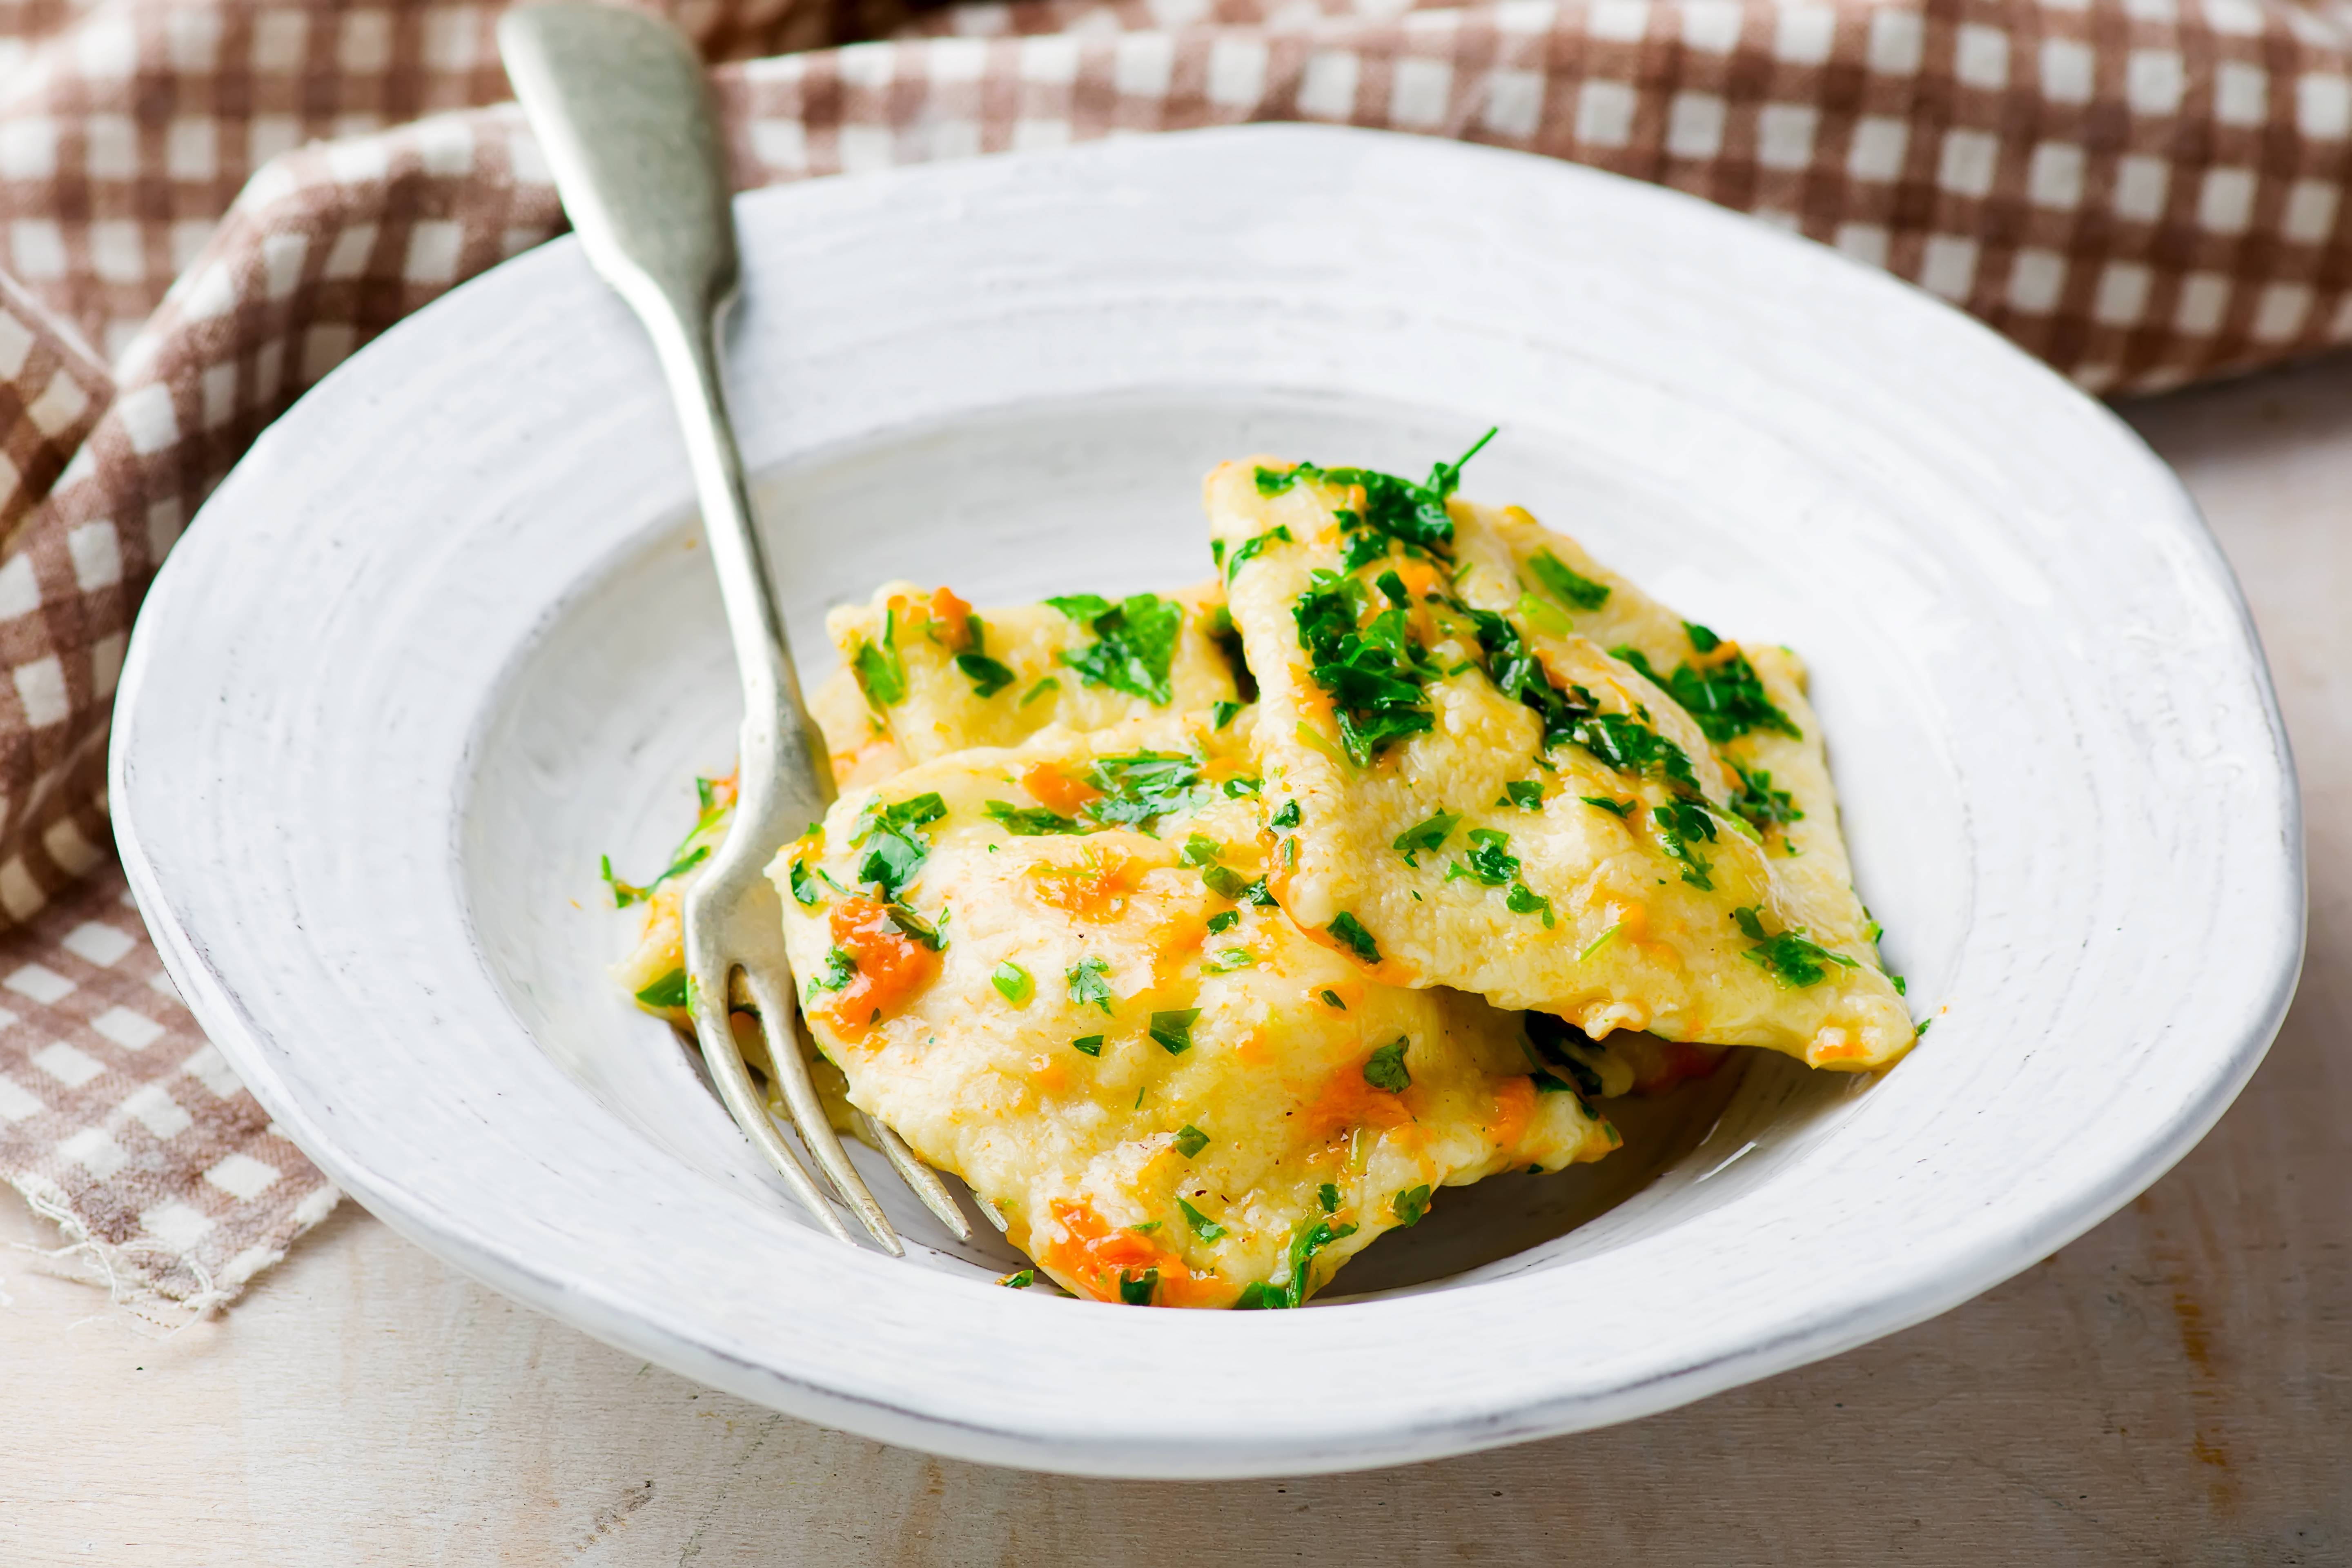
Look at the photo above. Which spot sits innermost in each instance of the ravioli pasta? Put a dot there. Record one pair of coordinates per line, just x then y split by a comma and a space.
1208, 936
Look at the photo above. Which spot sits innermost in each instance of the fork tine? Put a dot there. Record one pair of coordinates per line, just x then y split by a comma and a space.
911, 1170
808, 1116
725, 1059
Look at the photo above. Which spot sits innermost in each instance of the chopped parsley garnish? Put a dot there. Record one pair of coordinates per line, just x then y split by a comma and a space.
1226, 883
1701, 639
1239, 785
840, 968
1727, 697
1135, 1289
1333, 998
1200, 849
1490, 857
987, 676
1287, 817
669, 990
1920, 1031
913, 927
1429, 834
1173, 1030
1392, 587
1525, 900
1297, 1256
1546, 1084
1412, 1203
1088, 1044
1902, 986
1223, 921
1792, 958
1222, 714
1034, 692
1567, 585
1249, 548
1682, 825
1019, 1279
1203, 1226
1029, 821
625, 893
881, 673
1351, 935
1394, 510
1633, 748
1616, 809
1373, 672
1386, 1068
1088, 986
1761, 803
1134, 645
804, 892
1327, 1195
1228, 960
1598, 942
1518, 673
896, 848
1140, 787
1190, 1141
1525, 793
1013, 982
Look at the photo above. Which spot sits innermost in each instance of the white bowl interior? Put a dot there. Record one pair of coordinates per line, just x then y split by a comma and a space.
629, 690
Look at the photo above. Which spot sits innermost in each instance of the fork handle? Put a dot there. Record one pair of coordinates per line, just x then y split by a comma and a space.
623, 112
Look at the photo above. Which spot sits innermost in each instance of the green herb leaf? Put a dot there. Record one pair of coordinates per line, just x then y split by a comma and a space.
1173, 1030
625, 893
840, 968
1140, 788
1250, 548
1019, 1279
1525, 793
1013, 982
669, 990
1223, 921
1633, 748
1790, 957
1701, 639
1200, 849
1034, 692
1134, 645
1411, 1204
987, 676
1617, 808
1352, 934
880, 673
1240, 785
1525, 900
1288, 816
1727, 697
1392, 587
1298, 1257
804, 892
1386, 1068
911, 926
1682, 826
1225, 963
1087, 984
1373, 672
1190, 1141
1333, 998
1220, 715
897, 846
1327, 1195
1088, 1044
1567, 585
1135, 1289
1081, 608
1203, 1226
1029, 821
1519, 675
1763, 807
1254, 1294
1429, 834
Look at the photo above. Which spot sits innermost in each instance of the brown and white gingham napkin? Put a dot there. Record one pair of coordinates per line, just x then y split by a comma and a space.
206, 204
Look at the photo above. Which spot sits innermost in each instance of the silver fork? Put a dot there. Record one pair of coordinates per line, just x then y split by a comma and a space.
622, 110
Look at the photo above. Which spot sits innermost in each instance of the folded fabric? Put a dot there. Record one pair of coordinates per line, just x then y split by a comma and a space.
204, 207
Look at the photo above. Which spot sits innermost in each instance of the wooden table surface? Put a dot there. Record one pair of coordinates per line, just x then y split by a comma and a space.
2175, 1387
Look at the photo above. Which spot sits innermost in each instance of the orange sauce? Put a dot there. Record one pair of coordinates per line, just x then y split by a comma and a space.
1057, 791
1347, 1100
891, 967
954, 621
1514, 1107
1094, 886
1094, 1256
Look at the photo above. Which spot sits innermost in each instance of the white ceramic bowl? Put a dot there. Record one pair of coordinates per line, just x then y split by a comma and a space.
446, 636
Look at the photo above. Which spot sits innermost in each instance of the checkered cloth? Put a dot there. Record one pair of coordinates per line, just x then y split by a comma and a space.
206, 204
